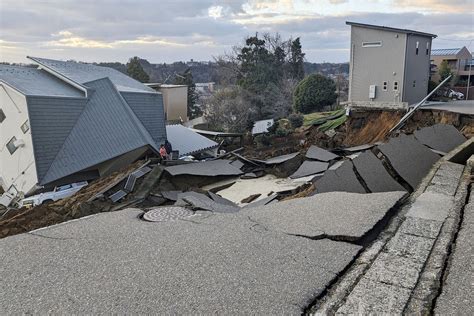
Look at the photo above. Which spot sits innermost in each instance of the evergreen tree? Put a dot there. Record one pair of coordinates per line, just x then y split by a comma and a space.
186, 78
135, 70
296, 60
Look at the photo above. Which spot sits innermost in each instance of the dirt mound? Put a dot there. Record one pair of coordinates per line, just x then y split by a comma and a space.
370, 127
76, 206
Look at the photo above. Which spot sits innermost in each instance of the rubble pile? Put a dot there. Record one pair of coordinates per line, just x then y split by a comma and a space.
352, 159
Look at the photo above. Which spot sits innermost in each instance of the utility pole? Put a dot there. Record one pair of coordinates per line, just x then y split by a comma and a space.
469, 79
469, 74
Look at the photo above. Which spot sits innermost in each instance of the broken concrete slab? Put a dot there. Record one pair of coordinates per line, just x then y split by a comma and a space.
170, 195
309, 168
431, 206
410, 159
338, 214
317, 153
211, 168
441, 137
278, 160
177, 267
374, 174
205, 203
265, 186
341, 179
268, 200
219, 199
358, 148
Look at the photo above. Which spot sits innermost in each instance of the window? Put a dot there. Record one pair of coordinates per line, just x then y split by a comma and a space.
427, 48
395, 85
2, 116
384, 86
371, 44
417, 46
25, 127
414, 83
11, 145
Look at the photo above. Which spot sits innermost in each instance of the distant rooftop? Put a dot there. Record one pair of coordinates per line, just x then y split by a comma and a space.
445, 51
390, 29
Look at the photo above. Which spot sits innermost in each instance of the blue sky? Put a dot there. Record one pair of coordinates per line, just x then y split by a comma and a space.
173, 30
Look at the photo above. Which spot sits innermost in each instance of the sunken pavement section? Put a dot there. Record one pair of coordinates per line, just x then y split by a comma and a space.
386, 231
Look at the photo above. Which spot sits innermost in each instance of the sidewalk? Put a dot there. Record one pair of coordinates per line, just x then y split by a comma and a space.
419, 258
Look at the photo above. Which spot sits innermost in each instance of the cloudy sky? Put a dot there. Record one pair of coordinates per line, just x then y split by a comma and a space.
173, 30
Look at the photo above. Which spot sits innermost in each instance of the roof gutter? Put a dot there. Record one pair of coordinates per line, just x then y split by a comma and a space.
60, 76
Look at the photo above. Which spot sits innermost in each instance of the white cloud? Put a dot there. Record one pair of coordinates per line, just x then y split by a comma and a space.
215, 11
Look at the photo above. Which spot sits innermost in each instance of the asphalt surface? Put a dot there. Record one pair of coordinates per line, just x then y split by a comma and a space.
342, 179
116, 263
462, 107
410, 159
349, 215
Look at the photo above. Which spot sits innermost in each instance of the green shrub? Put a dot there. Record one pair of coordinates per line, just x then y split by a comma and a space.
264, 139
296, 119
282, 132
313, 93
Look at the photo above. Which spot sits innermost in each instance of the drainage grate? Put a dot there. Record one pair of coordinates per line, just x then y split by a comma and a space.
166, 214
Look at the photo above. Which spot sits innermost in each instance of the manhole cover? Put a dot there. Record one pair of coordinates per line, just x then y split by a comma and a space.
165, 214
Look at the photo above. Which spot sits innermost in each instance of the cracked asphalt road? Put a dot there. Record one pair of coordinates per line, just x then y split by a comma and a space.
212, 263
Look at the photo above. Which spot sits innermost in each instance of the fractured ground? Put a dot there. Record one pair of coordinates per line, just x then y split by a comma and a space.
207, 263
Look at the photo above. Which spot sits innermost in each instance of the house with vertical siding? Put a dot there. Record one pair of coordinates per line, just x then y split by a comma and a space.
63, 122
389, 67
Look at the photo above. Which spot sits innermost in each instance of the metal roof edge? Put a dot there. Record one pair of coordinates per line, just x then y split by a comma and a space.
390, 29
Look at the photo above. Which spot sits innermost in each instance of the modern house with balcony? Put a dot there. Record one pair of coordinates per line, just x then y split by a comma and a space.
459, 61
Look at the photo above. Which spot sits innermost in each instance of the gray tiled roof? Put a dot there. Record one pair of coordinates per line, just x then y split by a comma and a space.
82, 73
445, 51
187, 141
32, 81
107, 128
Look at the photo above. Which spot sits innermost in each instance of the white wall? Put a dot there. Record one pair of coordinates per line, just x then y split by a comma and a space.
17, 169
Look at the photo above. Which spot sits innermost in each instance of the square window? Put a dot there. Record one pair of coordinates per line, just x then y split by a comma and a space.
25, 127
2, 116
11, 145
395, 85
414, 83
385, 86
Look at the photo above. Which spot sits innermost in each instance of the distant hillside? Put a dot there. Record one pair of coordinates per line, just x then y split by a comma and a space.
208, 71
